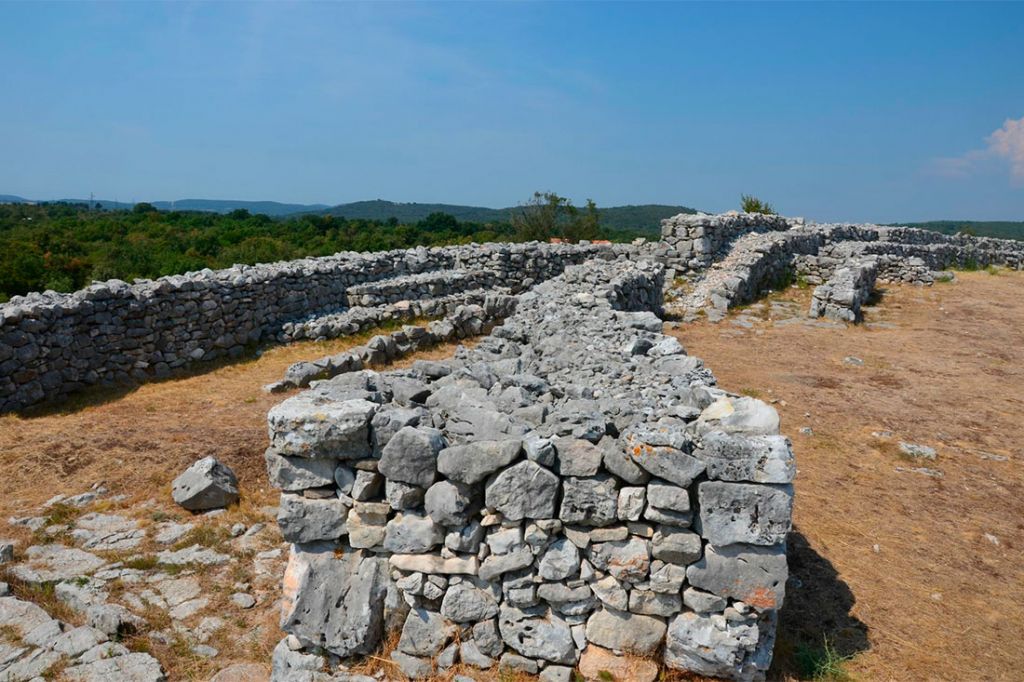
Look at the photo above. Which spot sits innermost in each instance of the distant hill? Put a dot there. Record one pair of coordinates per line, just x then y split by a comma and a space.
646, 217
1002, 229
271, 208
11, 199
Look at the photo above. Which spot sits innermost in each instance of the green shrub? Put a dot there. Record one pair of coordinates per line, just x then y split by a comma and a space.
751, 204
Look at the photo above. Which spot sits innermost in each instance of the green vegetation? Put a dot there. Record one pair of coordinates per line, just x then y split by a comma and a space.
751, 204
548, 216
66, 246
1003, 229
822, 663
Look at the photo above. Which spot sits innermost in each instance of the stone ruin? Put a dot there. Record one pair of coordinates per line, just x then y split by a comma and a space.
573, 487
574, 484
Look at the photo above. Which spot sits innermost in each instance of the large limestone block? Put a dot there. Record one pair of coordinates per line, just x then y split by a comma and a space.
745, 513
758, 459
207, 484
524, 491
473, 462
411, 456
743, 415
308, 520
309, 426
536, 632
591, 501
626, 632
335, 602
752, 574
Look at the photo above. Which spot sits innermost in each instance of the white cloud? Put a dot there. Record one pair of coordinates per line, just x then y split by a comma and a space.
1006, 143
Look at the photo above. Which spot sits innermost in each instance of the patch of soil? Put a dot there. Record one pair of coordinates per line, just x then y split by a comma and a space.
913, 575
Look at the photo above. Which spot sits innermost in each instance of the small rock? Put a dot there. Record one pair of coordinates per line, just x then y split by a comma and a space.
207, 484
243, 600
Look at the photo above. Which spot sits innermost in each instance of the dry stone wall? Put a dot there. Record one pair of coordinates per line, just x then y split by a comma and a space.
574, 484
118, 333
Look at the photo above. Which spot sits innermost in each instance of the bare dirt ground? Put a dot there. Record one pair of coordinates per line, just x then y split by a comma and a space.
916, 576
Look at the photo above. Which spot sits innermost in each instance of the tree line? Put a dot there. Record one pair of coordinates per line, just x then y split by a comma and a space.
64, 247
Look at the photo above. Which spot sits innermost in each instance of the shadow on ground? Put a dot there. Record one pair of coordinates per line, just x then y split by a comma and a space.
817, 632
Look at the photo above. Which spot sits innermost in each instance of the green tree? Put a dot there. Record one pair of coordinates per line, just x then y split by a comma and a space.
585, 224
144, 207
751, 204
542, 217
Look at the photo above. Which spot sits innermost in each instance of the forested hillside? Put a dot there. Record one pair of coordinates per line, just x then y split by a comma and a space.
65, 247
1002, 229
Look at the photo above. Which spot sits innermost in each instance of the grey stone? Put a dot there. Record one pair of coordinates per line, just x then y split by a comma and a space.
470, 654
432, 563
625, 632
195, 554
758, 459
6, 551
590, 501
676, 545
77, 641
524, 490
537, 633
413, 667
487, 638
309, 426
917, 451
745, 513
619, 462
655, 603
366, 485
305, 520
703, 602
425, 633
448, 656
556, 673
467, 539
402, 495
207, 484
410, 533
243, 600
53, 563
560, 561
625, 559
539, 450
667, 578
577, 457
367, 524
169, 533
710, 645
665, 462
113, 620
335, 602
498, 564
344, 478
107, 532
411, 456
291, 474
448, 503
752, 574
517, 664
505, 540
475, 461
611, 592
132, 667
667, 496
465, 603
742, 415
668, 517
631, 503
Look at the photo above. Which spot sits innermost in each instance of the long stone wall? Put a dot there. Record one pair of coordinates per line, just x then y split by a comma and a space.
573, 487
117, 333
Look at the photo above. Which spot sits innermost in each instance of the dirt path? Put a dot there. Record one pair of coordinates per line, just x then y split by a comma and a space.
916, 575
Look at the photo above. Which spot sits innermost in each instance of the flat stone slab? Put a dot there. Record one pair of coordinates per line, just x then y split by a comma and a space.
107, 532
53, 563
135, 667
195, 554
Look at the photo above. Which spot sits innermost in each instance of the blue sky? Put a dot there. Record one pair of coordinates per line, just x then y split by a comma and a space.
833, 111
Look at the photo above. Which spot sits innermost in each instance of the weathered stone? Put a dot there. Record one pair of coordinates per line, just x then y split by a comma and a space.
626, 632
759, 459
752, 574
308, 426
497, 564
577, 457
470, 654
194, 554
411, 456
366, 485
620, 462
107, 532
625, 559
448, 503
207, 484
291, 474
537, 633
676, 545
402, 495
711, 645
335, 602
524, 490
113, 620
667, 578
53, 563
465, 603
610, 591
133, 667
590, 501
654, 603
305, 520
665, 462
475, 461
515, 663
413, 667
366, 524
631, 503
410, 533
743, 415
487, 638
425, 633
432, 563
703, 602
467, 539
745, 513
560, 561
666, 496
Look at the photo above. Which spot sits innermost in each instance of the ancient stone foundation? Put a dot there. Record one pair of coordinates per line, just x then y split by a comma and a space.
573, 487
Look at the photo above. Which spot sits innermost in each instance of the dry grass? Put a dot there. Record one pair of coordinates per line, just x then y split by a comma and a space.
896, 568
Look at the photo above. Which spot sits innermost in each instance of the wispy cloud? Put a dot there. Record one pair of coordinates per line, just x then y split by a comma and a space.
1004, 144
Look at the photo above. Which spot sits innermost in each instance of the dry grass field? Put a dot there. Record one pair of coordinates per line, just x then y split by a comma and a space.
911, 576
916, 577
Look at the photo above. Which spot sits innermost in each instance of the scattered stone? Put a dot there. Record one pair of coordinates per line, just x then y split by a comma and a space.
195, 554
207, 484
53, 563
917, 451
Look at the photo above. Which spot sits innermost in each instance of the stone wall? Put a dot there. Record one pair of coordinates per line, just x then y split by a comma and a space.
117, 333
692, 242
849, 287
574, 484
